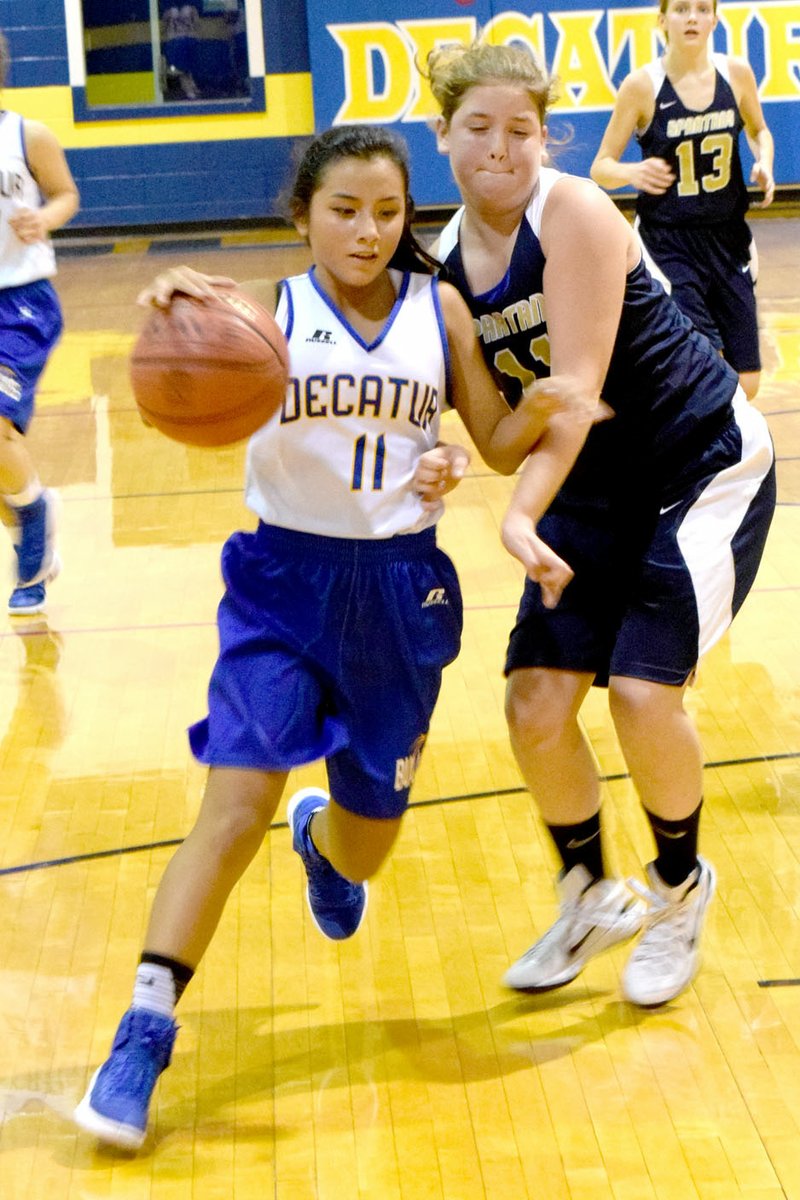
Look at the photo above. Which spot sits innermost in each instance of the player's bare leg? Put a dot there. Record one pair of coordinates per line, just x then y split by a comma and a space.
660, 745
558, 767
557, 764
665, 759
29, 513
340, 850
234, 818
356, 846
16, 465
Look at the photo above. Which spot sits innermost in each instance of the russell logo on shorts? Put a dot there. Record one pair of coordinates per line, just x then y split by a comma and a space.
435, 596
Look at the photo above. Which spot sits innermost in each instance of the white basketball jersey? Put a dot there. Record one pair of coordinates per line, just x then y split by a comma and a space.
339, 457
19, 263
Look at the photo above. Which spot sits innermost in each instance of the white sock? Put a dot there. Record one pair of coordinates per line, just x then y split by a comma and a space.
154, 989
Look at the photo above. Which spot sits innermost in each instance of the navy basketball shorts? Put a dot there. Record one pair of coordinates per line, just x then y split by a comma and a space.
648, 604
30, 326
711, 272
331, 648
600, 523
704, 554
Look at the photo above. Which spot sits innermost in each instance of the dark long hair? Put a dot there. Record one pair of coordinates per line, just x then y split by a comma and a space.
364, 142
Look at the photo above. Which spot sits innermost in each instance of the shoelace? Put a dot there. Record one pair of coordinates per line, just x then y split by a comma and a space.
604, 916
660, 933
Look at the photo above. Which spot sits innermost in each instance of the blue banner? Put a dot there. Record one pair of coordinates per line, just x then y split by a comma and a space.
364, 56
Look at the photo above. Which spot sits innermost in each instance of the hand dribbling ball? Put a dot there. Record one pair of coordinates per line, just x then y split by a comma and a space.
209, 372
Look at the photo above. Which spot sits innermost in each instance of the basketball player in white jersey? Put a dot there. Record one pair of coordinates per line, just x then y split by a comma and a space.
37, 195
340, 612
687, 110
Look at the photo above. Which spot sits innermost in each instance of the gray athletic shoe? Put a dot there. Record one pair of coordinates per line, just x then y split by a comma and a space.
667, 956
595, 915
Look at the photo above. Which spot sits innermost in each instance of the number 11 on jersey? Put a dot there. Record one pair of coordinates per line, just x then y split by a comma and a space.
359, 460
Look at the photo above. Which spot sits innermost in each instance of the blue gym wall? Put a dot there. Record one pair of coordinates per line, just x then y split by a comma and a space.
210, 163
225, 162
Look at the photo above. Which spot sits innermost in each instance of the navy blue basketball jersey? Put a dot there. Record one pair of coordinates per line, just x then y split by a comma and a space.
664, 380
703, 150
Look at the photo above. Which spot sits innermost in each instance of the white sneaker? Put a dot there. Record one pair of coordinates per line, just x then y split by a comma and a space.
595, 915
667, 956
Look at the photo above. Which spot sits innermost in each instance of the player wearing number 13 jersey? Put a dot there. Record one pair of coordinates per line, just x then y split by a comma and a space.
687, 110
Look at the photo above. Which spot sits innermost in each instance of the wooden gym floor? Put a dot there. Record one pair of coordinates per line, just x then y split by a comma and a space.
393, 1067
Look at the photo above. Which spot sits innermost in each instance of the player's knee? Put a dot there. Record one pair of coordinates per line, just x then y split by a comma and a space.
236, 834
359, 851
8, 432
639, 702
534, 718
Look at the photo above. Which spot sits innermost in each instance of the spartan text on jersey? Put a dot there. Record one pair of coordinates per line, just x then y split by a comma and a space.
700, 123
370, 395
515, 318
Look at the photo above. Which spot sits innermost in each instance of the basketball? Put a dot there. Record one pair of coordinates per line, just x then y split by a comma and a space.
209, 372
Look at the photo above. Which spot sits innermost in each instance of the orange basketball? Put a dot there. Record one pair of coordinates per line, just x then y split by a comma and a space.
209, 372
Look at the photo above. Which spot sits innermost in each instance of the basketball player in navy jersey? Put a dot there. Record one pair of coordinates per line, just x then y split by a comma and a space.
340, 611
687, 110
37, 195
661, 513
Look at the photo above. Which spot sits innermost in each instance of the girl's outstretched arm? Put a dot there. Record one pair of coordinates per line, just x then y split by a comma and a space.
503, 438
589, 248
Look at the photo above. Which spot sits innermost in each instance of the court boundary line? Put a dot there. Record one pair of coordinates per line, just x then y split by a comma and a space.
92, 855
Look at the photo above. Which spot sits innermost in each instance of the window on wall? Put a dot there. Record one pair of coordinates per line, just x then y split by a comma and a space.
162, 52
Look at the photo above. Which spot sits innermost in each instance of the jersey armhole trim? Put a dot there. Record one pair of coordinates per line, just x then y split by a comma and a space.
437, 308
285, 294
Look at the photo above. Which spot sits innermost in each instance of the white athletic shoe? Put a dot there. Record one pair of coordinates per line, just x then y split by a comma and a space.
667, 956
595, 915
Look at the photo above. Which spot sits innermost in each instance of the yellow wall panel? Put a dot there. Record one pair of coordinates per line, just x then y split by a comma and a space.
133, 87
290, 113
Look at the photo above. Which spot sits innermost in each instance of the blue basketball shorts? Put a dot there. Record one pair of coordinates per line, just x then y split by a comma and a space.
331, 648
649, 599
30, 326
711, 272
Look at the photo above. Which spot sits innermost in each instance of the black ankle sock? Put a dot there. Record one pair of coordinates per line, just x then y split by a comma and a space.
580, 843
180, 972
676, 845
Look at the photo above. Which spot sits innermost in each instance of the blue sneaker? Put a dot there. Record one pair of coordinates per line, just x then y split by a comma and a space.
37, 561
115, 1107
26, 600
336, 904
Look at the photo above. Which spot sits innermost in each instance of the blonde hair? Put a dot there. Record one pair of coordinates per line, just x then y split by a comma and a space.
453, 70
663, 5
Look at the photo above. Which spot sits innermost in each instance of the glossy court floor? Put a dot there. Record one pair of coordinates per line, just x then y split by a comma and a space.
395, 1066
